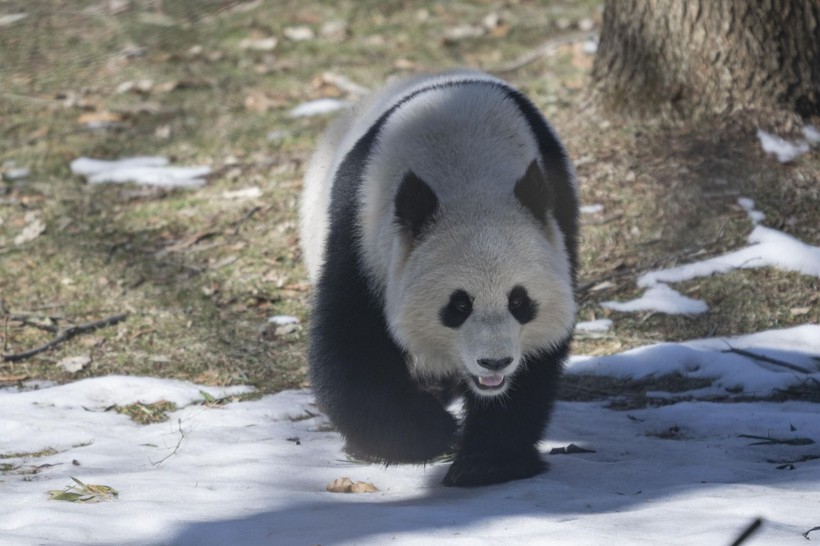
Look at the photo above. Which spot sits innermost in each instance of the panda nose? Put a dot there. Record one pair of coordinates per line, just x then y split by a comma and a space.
495, 364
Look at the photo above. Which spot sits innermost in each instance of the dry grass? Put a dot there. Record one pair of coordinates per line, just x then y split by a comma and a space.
198, 274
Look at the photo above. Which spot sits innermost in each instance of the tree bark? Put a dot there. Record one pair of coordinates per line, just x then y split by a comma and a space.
708, 58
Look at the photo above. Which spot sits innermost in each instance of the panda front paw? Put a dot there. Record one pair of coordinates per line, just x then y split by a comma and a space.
416, 430
471, 470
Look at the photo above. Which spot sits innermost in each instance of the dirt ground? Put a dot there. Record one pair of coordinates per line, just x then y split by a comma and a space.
197, 273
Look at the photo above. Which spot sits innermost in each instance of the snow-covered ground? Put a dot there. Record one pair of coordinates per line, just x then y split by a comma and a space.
768, 248
255, 472
692, 472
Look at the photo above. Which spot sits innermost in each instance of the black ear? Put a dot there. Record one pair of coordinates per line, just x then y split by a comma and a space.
416, 205
533, 192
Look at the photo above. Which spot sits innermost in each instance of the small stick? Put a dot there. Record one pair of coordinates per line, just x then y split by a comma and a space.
543, 50
806, 534
750, 530
65, 335
176, 448
764, 358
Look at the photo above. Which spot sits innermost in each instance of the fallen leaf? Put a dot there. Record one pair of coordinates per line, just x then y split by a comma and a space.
259, 44
34, 228
260, 101
74, 364
99, 119
14, 378
299, 34
346, 485
140, 87
335, 31
363, 487
463, 32
251, 192
84, 493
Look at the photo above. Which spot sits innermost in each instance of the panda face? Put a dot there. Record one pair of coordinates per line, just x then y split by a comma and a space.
475, 300
489, 342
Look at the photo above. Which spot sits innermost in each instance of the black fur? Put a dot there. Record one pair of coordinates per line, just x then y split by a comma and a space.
500, 434
457, 309
360, 375
415, 205
357, 371
557, 175
533, 192
521, 306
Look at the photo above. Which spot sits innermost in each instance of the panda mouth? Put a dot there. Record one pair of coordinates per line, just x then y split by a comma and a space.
489, 382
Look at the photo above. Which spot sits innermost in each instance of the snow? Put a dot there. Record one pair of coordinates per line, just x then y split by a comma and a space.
281, 320
147, 170
784, 150
660, 298
255, 472
591, 209
598, 325
317, 107
768, 248
812, 134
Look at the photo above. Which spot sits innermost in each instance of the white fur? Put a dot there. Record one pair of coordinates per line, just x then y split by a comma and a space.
334, 145
471, 144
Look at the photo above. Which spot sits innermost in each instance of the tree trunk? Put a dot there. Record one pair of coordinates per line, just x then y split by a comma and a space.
707, 58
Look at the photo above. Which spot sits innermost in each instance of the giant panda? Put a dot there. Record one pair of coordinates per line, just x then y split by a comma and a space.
439, 228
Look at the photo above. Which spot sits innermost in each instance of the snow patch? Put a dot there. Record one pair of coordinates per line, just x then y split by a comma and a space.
599, 325
768, 248
281, 320
812, 134
713, 358
784, 150
317, 107
661, 298
592, 209
146, 170
255, 472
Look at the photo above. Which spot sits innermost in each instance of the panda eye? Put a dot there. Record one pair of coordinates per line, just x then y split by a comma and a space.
520, 305
457, 309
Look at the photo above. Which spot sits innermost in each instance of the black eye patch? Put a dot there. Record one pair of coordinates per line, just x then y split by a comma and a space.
457, 309
520, 305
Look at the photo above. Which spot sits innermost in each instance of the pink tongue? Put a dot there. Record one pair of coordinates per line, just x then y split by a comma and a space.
491, 381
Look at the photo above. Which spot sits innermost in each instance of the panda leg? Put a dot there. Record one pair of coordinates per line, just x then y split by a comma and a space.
501, 433
361, 380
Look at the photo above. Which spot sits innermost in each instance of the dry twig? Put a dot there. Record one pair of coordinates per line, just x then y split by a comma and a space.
64, 335
547, 48
767, 359
749, 531
176, 447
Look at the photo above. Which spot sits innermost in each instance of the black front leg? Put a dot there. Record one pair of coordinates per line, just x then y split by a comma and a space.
501, 434
361, 380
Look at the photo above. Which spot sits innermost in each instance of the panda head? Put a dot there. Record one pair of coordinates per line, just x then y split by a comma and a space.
478, 285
